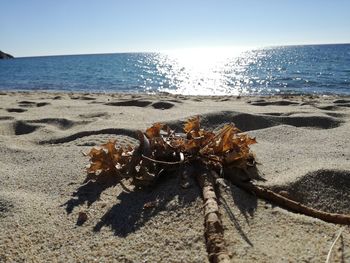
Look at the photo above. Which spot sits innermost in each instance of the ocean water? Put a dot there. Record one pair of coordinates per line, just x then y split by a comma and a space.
320, 69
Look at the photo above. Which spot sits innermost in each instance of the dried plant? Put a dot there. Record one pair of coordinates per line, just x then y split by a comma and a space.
213, 154
160, 147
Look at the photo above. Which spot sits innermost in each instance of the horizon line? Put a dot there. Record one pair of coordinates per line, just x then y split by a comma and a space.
164, 51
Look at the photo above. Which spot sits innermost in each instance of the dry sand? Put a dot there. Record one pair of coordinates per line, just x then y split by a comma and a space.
303, 147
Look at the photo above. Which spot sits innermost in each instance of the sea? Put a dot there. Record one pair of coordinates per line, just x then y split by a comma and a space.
304, 69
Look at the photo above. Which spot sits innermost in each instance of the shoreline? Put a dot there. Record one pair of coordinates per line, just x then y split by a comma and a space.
303, 149
282, 95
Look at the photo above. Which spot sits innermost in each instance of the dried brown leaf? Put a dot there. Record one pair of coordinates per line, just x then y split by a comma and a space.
154, 131
192, 126
105, 158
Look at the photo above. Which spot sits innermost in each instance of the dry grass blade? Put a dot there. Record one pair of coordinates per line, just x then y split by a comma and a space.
333, 244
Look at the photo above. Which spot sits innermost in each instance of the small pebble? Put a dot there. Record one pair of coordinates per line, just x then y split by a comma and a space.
82, 217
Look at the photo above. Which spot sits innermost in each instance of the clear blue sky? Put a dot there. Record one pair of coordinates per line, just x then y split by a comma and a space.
48, 27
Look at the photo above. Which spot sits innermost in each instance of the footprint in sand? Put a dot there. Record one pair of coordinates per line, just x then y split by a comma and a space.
25, 103
29, 104
6, 118
22, 127
18, 110
337, 105
95, 115
129, 103
82, 98
17, 128
162, 105
261, 102
342, 103
42, 104
143, 103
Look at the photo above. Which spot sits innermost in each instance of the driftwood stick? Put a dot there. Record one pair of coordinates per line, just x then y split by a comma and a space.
214, 232
292, 205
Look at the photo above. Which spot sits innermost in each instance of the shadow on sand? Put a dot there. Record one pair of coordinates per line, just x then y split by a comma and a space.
90, 191
129, 214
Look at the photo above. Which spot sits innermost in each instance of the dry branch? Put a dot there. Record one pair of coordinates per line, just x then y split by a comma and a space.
292, 205
214, 232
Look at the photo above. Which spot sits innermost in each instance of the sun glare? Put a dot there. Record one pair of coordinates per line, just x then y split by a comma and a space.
204, 57
198, 70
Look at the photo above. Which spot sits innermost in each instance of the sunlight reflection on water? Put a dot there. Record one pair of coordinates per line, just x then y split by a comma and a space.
206, 71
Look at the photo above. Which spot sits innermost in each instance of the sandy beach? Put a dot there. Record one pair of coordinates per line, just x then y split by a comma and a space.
303, 150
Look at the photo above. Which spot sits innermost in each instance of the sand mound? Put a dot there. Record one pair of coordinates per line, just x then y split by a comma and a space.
327, 190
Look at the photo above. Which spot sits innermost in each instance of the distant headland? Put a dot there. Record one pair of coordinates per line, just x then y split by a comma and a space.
5, 56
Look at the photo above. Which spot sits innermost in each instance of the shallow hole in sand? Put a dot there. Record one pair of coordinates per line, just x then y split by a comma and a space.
5, 207
162, 105
21, 128
273, 103
18, 110
130, 103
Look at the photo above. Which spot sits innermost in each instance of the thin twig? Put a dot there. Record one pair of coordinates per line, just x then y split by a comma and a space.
161, 162
335, 241
125, 187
